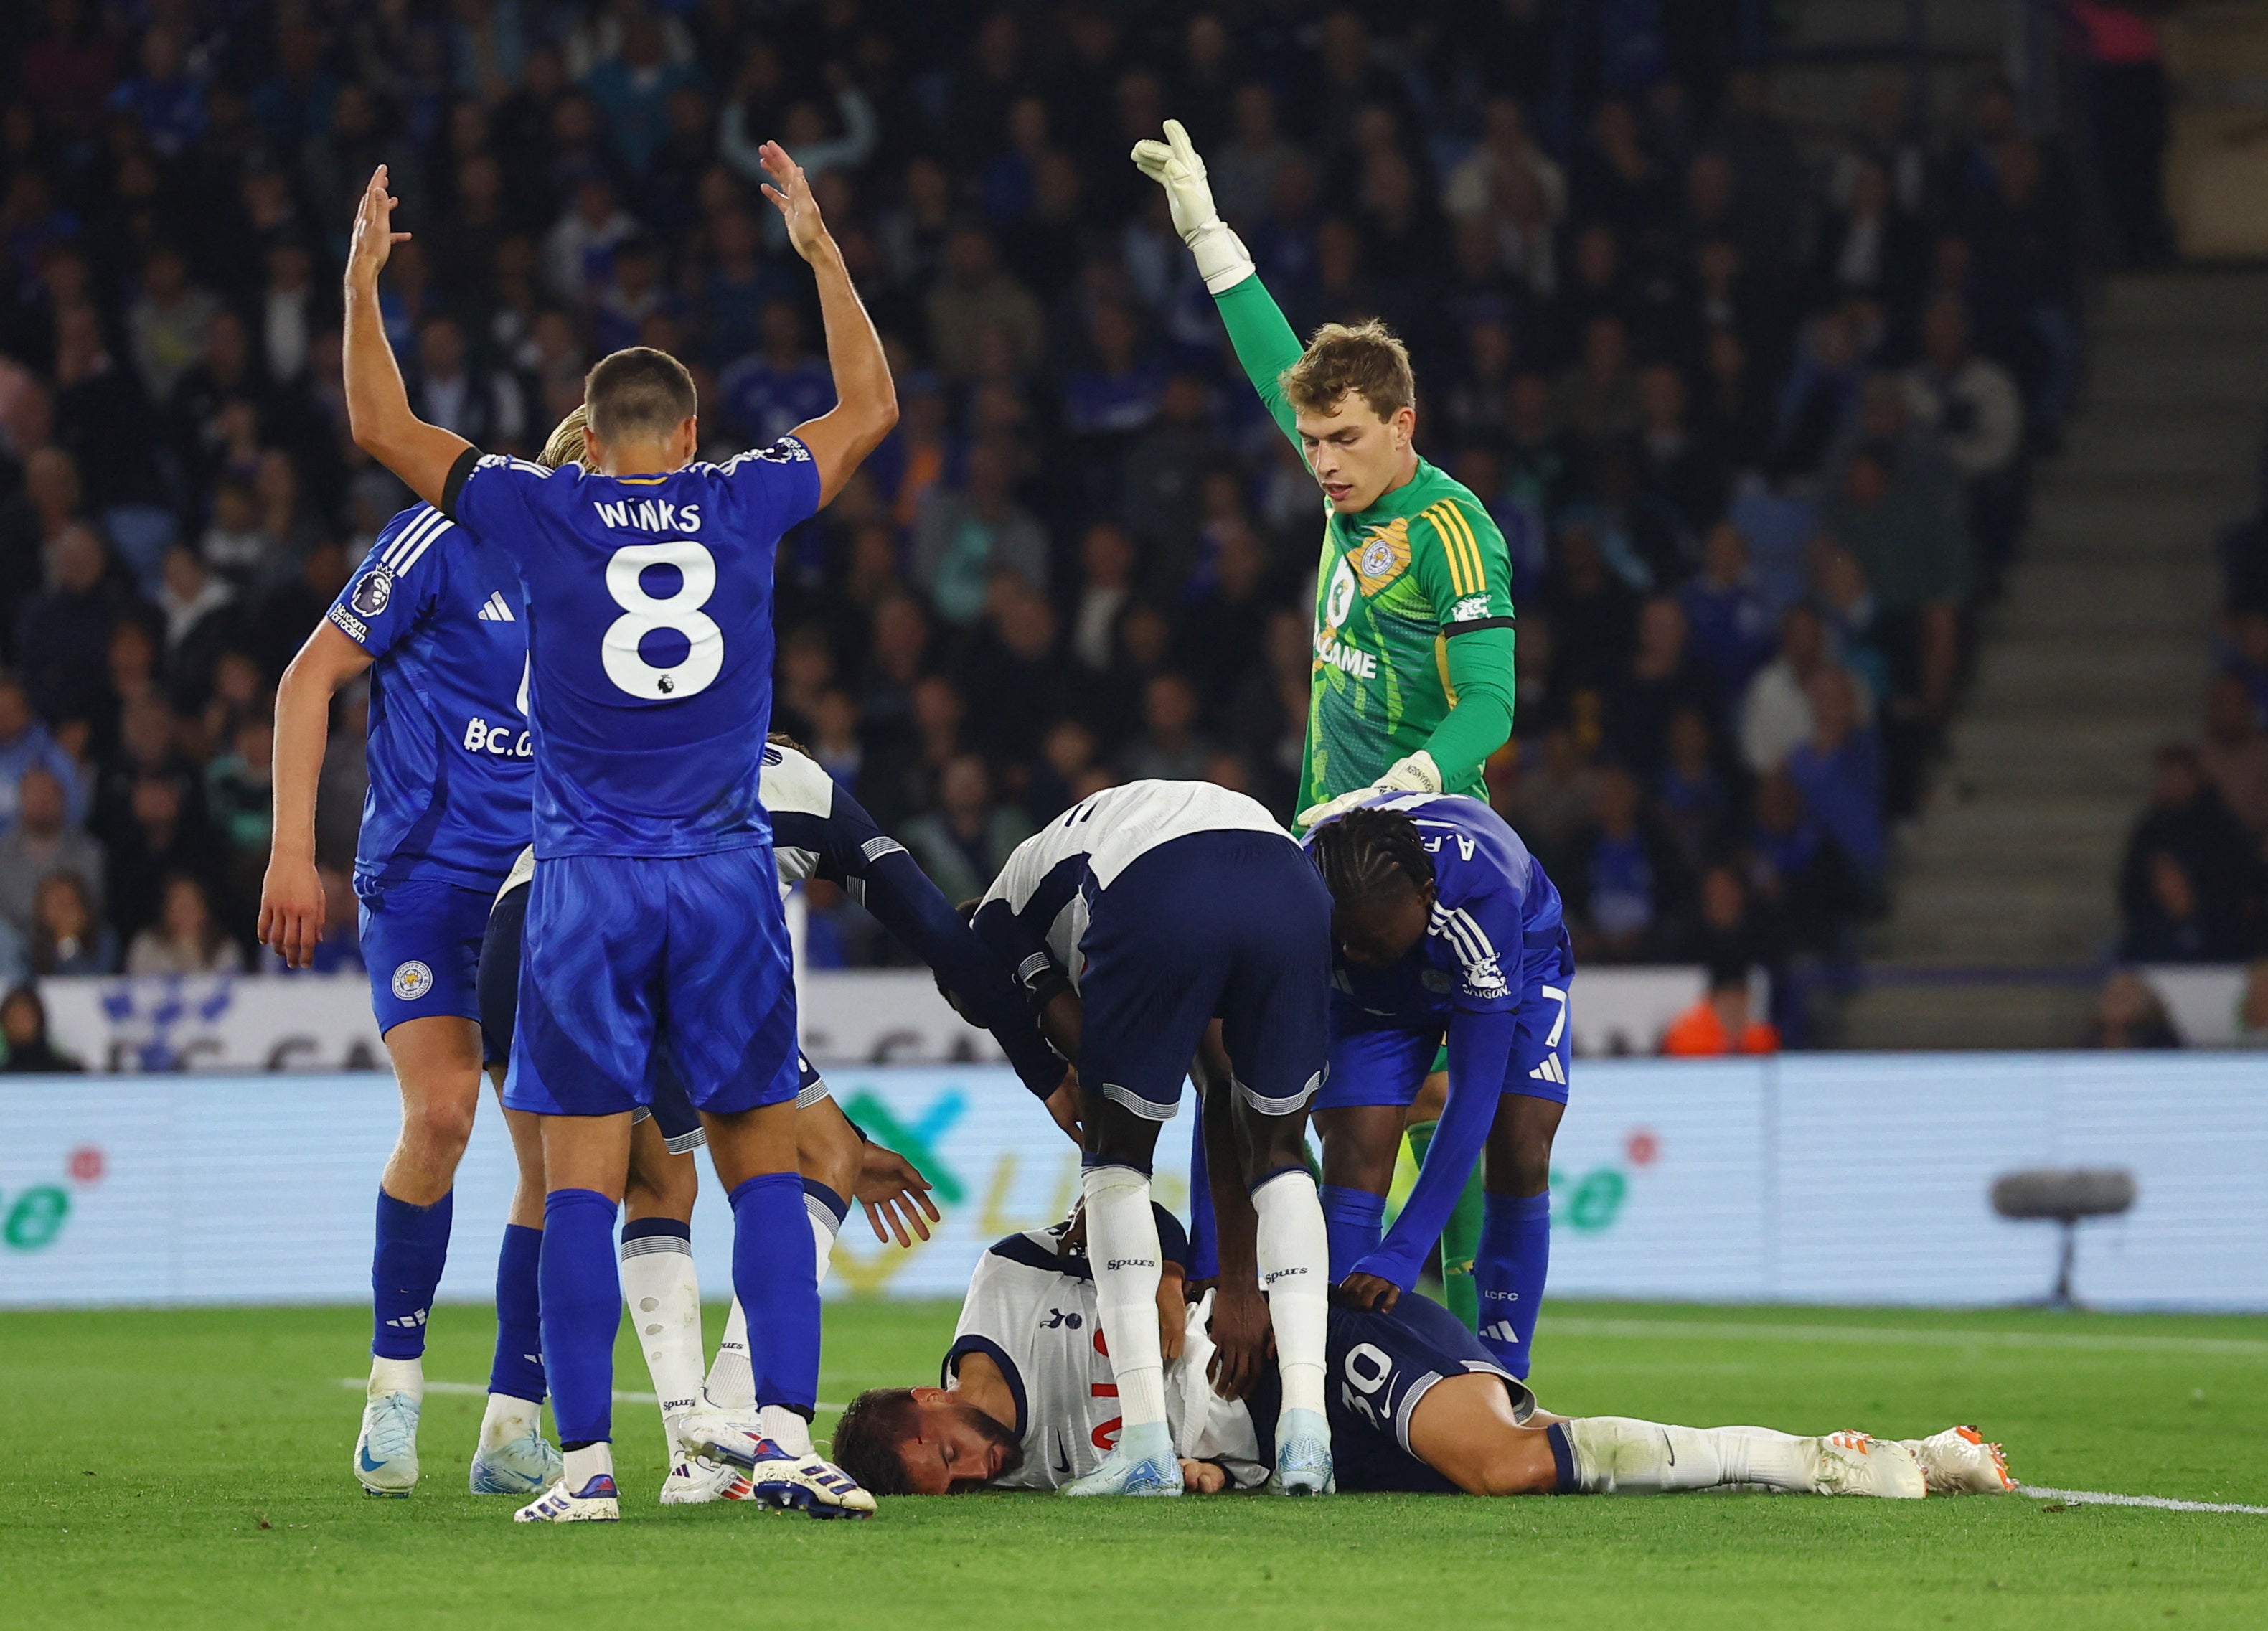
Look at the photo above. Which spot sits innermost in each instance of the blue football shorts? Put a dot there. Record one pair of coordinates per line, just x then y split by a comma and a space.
420, 941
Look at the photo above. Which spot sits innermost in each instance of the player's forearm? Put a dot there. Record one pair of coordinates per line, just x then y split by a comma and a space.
1264, 343
1480, 1050
377, 402
1480, 678
905, 901
864, 391
303, 715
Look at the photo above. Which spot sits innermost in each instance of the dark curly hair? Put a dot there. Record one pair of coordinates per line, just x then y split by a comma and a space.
1368, 854
867, 1437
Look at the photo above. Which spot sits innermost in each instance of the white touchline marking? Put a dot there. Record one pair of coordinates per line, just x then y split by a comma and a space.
480, 1391
2105, 1342
2103, 1498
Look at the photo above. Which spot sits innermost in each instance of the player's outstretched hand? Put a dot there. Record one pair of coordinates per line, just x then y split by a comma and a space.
1417, 773
374, 236
1202, 1478
1174, 166
1243, 1339
789, 191
292, 909
1367, 1294
893, 1192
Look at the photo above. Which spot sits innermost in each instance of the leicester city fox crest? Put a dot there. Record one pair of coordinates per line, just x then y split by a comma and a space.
372, 594
1383, 555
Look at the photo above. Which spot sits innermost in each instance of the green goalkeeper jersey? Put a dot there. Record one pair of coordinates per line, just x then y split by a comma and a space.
1413, 630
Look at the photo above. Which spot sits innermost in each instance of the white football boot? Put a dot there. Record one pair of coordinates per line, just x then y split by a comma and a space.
806, 1484
694, 1481
1960, 1462
385, 1452
1303, 1455
593, 1503
1143, 1463
1858, 1464
525, 1466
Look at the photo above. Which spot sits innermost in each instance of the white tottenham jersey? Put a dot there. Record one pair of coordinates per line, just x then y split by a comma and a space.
793, 785
1049, 882
1033, 1312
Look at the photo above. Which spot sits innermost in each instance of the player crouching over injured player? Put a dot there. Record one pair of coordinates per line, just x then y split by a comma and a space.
1416, 1404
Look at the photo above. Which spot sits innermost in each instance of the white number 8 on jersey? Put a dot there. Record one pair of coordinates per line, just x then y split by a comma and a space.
643, 614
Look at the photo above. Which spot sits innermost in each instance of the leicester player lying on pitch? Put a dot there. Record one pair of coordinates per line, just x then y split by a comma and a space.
1414, 1404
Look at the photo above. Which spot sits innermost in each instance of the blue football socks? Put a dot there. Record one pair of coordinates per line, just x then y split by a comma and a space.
582, 1307
1354, 1220
405, 1268
1515, 1257
777, 1283
517, 1367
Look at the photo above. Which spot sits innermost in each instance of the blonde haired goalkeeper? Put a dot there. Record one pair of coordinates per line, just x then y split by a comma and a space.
1413, 632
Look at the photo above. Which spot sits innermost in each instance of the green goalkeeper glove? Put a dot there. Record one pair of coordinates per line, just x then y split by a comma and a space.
1223, 261
1417, 773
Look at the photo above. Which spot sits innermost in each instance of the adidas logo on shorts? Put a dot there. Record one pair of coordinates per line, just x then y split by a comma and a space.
493, 610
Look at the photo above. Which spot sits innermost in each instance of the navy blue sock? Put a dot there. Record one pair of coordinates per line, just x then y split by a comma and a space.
1354, 1220
405, 1267
1563, 1459
1515, 1259
582, 1306
777, 1284
816, 1195
1204, 1252
517, 1367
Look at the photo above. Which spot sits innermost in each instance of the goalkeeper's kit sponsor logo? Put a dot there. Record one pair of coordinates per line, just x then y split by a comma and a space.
1335, 653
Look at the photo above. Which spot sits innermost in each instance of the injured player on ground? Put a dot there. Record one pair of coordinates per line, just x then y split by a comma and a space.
1414, 1404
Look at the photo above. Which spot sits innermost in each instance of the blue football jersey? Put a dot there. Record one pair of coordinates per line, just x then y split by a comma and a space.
649, 635
452, 768
1493, 902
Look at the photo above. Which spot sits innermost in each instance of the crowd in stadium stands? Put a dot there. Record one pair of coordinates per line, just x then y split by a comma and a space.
1756, 420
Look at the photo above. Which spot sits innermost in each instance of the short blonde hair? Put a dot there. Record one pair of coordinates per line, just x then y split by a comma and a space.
1363, 357
565, 443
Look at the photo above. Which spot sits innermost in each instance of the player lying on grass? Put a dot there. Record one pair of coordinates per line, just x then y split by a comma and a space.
819, 832
654, 924
1413, 686
1416, 1404
1441, 921
1135, 919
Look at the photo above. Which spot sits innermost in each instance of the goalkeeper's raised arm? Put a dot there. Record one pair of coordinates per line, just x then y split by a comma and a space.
1413, 632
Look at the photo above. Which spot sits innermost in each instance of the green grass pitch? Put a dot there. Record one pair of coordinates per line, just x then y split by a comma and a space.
189, 1468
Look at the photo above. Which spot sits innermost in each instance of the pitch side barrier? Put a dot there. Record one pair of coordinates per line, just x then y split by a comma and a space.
1852, 1178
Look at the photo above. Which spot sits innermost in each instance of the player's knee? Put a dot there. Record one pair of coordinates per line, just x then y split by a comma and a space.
1272, 1142
1524, 1466
439, 1128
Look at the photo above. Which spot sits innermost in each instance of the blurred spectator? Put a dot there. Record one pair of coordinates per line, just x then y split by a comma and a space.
768, 393
1720, 1023
23, 1029
1838, 769
967, 840
1969, 404
2234, 757
1171, 747
1727, 621
966, 535
26, 745
1776, 713
165, 837
2128, 1015
68, 933
1625, 881
186, 939
2189, 886
43, 841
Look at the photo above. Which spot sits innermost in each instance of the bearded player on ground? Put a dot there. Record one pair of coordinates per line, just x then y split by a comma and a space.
1412, 686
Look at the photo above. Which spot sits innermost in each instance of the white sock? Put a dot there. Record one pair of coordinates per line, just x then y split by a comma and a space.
664, 1295
1756, 1454
582, 1465
1617, 1454
1295, 1257
786, 1429
396, 1376
732, 1385
824, 1227
1123, 1250
507, 1419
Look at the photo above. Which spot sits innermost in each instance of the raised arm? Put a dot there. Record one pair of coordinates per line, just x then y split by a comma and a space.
865, 398
1265, 344
291, 905
377, 404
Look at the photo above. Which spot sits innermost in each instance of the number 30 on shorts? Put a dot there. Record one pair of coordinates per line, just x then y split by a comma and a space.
645, 613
